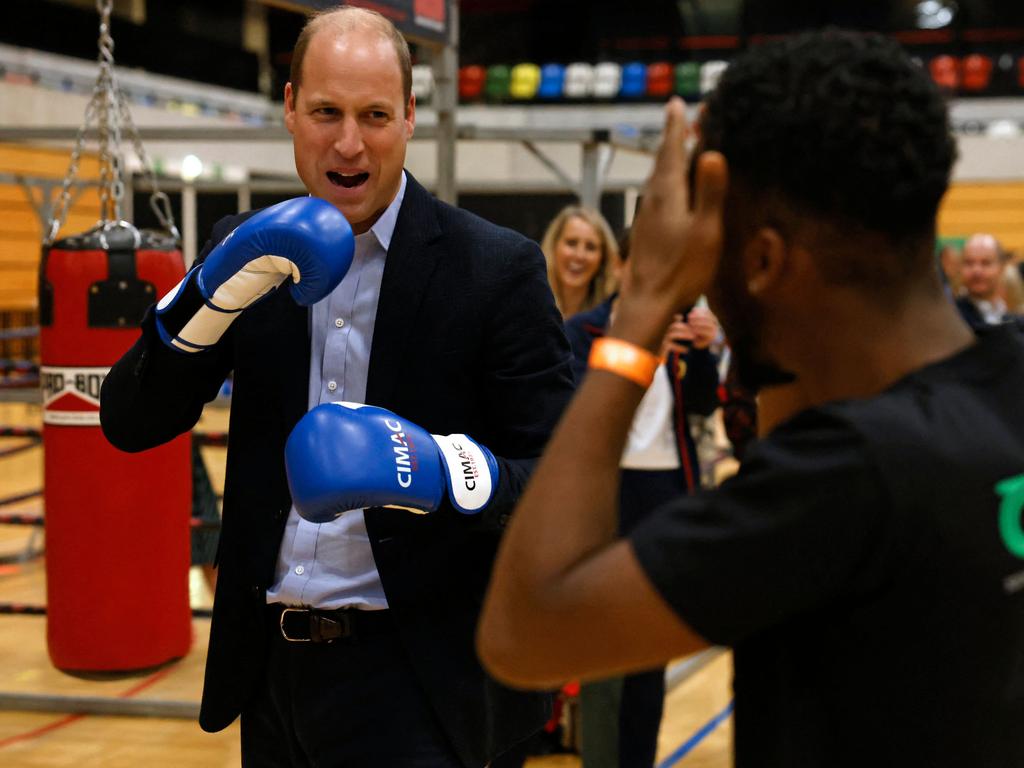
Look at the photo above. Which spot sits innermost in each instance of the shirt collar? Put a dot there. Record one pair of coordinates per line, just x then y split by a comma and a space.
993, 311
384, 228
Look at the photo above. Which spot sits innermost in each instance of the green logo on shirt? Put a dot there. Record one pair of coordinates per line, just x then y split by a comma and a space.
1010, 524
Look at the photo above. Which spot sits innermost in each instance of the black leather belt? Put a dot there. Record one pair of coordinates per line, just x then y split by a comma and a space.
313, 625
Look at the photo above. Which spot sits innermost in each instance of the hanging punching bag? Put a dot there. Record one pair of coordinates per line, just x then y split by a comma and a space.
117, 524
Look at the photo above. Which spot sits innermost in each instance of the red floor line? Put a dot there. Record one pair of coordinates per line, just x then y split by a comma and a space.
40, 731
64, 721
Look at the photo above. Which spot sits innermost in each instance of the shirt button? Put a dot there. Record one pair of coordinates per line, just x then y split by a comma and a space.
340, 323
332, 385
299, 570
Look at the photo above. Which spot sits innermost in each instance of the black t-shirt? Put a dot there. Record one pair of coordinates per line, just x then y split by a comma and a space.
869, 574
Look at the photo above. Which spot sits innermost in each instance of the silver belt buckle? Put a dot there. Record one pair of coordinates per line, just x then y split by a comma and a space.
284, 634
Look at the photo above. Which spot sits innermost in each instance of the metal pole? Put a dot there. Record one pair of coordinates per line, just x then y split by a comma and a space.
629, 201
550, 164
128, 203
445, 63
188, 224
98, 705
244, 197
590, 185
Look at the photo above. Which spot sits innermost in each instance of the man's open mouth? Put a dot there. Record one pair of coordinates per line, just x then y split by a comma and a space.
347, 180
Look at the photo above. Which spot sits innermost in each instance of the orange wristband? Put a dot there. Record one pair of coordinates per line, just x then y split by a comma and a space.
624, 359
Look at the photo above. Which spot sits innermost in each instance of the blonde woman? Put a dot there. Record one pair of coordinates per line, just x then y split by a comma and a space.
581, 253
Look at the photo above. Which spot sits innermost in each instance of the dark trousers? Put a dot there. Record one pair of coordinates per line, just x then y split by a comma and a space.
643, 698
621, 716
350, 703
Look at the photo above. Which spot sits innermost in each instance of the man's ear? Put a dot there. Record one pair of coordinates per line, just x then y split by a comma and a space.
765, 260
410, 116
289, 107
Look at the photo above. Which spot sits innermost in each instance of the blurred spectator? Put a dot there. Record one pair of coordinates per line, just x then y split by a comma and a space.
620, 717
1011, 286
949, 263
581, 251
581, 254
981, 269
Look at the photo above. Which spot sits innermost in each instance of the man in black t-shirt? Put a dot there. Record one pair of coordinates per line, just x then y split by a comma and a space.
867, 562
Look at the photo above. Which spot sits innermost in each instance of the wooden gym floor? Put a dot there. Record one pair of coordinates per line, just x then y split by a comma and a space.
30, 739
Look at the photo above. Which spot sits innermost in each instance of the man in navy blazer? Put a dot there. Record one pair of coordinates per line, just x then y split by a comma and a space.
351, 643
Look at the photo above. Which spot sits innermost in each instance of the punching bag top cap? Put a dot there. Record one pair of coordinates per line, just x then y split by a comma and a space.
117, 236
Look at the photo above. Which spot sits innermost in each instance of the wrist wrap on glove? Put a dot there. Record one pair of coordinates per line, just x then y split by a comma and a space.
306, 240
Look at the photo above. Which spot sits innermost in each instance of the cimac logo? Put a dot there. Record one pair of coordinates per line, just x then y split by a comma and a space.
406, 461
470, 471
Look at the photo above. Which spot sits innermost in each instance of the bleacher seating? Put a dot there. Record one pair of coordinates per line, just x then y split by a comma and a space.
20, 228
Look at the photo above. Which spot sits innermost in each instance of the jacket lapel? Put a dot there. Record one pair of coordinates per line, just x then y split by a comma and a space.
294, 370
412, 258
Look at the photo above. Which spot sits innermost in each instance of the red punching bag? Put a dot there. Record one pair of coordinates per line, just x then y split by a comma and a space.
117, 524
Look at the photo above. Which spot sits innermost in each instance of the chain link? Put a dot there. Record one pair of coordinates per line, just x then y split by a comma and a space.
158, 200
109, 127
60, 211
109, 107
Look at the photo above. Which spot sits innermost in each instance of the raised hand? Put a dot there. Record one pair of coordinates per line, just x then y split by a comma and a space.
675, 246
704, 326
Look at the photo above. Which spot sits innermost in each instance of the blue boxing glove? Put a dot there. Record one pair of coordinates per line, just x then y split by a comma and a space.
343, 456
305, 239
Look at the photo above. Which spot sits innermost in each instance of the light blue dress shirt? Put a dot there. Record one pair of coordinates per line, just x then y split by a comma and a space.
330, 565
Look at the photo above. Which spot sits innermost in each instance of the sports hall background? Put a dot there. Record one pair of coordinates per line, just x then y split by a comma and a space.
216, 64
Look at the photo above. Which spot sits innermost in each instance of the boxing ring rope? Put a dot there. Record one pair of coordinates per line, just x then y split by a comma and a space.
25, 372
37, 522
33, 548
15, 449
99, 705
14, 499
28, 332
79, 706
34, 609
33, 432
209, 439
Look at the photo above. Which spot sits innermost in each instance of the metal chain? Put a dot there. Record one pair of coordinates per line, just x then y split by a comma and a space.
109, 129
109, 107
60, 211
158, 200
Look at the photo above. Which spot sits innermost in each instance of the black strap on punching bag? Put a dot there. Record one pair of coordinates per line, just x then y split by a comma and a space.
120, 301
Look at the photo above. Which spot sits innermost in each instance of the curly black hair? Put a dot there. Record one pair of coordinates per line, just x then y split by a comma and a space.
842, 126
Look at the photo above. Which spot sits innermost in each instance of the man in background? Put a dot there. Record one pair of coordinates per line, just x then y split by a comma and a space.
981, 271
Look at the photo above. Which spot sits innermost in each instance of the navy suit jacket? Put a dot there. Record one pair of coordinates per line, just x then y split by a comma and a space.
467, 339
973, 317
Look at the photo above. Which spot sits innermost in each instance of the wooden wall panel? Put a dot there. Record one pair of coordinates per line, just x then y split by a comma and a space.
20, 227
996, 208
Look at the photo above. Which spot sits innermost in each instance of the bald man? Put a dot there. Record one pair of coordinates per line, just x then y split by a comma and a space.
981, 268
